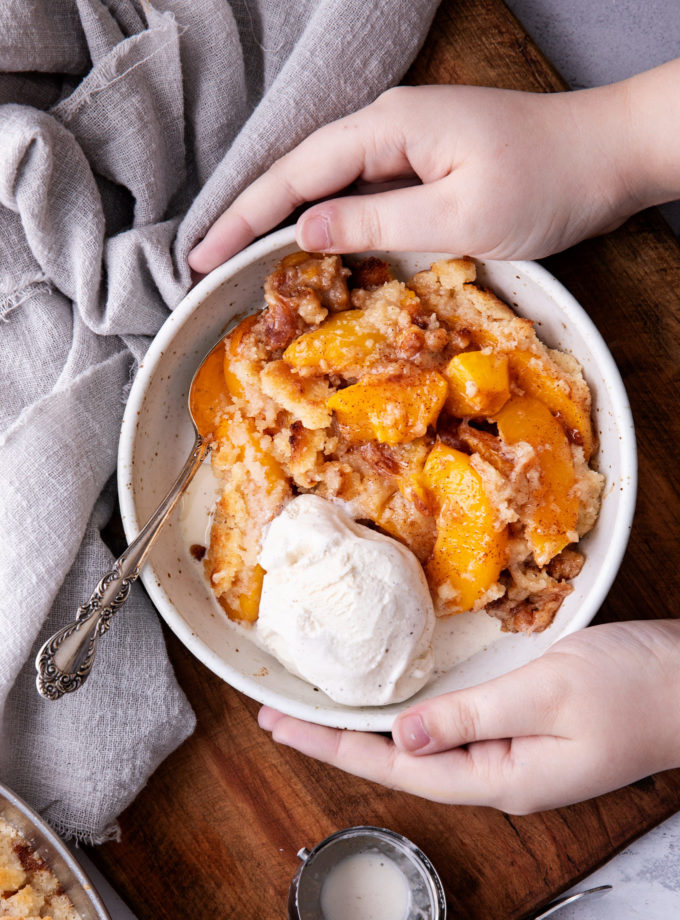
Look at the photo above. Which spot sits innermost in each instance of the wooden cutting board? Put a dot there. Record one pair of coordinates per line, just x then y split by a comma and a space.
216, 831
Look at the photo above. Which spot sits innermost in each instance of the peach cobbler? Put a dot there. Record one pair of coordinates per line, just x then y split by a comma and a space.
29, 889
430, 409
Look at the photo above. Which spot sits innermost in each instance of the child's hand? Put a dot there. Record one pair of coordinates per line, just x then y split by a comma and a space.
504, 175
597, 711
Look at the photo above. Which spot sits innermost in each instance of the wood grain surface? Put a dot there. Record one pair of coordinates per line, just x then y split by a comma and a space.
216, 831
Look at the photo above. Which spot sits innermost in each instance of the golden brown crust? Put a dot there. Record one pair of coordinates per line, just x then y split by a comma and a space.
533, 614
29, 889
370, 273
489, 447
567, 564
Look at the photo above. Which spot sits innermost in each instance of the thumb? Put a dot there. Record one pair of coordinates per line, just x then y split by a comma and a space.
522, 703
419, 217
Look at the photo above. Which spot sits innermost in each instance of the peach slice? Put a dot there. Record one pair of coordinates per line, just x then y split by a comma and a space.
553, 506
479, 384
343, 341
392, 410
209, 396
249, 603
469, 551
538, 378
232, 359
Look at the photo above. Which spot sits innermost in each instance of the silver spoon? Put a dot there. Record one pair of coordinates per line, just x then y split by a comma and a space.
571, 898
64, 662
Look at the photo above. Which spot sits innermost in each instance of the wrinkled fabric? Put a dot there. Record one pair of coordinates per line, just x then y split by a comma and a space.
126, 128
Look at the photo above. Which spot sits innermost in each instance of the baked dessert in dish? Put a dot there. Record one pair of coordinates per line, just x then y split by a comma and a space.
28, 888
429, 410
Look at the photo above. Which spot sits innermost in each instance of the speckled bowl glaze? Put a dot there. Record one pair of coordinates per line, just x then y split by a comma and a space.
156, 437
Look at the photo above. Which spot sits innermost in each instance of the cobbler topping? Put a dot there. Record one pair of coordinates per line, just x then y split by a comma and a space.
429, 409
28, 888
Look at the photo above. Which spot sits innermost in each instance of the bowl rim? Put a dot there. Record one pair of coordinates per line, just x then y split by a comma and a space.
356, 717
46, 839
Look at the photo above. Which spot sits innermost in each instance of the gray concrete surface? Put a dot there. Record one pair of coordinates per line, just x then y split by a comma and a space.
592, 42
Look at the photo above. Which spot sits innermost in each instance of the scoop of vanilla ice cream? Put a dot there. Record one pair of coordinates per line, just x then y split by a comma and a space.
344, 607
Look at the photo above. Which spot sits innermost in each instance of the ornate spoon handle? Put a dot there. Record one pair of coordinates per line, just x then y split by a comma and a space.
554, 906
65, 660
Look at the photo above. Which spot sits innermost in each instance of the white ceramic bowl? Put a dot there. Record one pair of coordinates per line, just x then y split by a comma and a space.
156, 437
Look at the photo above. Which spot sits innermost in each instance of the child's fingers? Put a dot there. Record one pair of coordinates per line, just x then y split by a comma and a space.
324, 163
488, 773
227, 236
267, 717
420, 217
525, 702
370, 756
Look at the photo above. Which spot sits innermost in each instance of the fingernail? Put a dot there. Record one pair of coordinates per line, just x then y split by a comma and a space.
195, 253
267, 718
412, 733
315, 234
